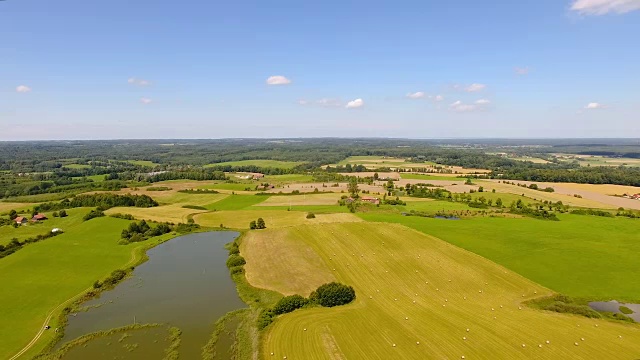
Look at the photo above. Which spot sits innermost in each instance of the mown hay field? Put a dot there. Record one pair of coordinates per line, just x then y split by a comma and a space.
421, 298
273, 218
167, 213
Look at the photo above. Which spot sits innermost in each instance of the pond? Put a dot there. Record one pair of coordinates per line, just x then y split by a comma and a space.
614, 307
185, 284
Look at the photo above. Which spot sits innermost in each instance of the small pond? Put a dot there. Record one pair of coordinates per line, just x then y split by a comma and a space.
614, 307
185, 283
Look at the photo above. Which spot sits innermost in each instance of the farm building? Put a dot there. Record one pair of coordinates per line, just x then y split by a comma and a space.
371, 200
21, 220
39, 217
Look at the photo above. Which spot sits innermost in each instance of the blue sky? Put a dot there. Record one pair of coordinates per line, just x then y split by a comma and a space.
77, 69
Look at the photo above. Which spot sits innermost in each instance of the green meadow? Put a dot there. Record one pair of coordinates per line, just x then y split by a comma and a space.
43, 227
581, 256
44, 275
409, 176
236, 202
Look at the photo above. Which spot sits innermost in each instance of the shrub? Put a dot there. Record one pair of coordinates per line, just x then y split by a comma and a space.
333, 294
289, 303
311, 215
265, 318
93, 214
252, 225
234, 249
235, 260
237, 270
62, 213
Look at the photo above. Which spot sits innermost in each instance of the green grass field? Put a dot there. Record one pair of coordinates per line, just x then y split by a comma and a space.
95, 178
240, 219
236, 202
32, 229
581, 256
260, 163
41, 276
416, 298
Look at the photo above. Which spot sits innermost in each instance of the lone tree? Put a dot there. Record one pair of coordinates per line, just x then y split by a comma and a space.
353, 187
252, 225
13, 214
260, 224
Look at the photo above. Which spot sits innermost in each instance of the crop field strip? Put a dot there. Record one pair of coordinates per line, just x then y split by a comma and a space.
418, 295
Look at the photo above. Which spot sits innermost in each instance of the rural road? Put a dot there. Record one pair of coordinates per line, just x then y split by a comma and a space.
48, 319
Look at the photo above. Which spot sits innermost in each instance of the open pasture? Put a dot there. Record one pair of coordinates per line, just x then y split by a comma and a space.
302, 200
579, 256
5, 207
43, 275
42, 227
273, 218
593, 195
421, 298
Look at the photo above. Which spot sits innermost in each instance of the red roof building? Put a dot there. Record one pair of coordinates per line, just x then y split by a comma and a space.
39, 217
21, 220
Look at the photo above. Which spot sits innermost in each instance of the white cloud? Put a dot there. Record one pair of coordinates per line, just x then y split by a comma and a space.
416, 95
278, 80
601, 7
475, 87
357, 103
23, 89
483, 102
459, 106
139, 82
594, 106
438, 98
521, 70
146, 101
303, 102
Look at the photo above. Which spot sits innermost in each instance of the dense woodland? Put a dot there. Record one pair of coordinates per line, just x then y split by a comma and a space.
71, 167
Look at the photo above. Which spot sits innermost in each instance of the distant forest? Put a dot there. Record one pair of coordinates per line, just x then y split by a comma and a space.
67, 167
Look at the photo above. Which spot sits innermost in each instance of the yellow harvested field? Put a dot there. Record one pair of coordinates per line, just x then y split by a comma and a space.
381, 175
8, 206
166, 213
593, 196
272, 218
421, 298
301, 200
276, 261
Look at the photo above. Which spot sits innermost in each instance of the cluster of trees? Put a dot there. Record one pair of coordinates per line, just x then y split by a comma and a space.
15, 245
95, 213
141, 231
195, 174
538, 212
327, 295
585, 175
198, 191
102, 201
591, 212
257, 224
